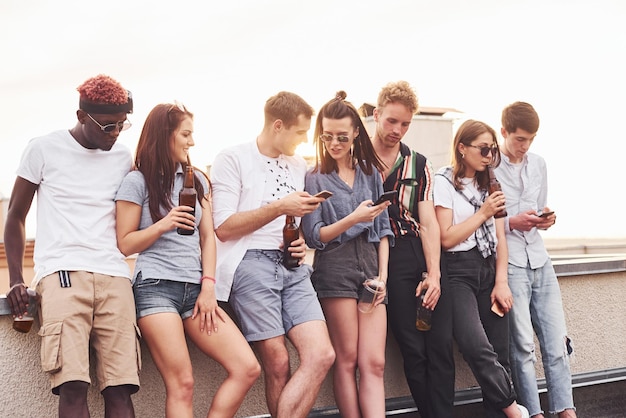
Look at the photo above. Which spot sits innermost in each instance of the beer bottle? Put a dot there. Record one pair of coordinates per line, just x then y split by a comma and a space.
187, 197
423, 314
494, 186
290, 234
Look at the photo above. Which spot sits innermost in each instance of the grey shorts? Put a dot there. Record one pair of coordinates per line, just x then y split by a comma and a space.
270, 299
341, 269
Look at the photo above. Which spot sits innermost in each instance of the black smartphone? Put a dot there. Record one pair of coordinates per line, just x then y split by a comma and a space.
545, 214
324, 194
386, 196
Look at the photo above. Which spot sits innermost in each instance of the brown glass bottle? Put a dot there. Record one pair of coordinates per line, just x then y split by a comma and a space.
494, 186
290, 234
423, 314
187, 197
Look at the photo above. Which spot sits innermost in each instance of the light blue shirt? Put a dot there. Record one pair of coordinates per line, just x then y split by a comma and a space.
342, 203
525, 189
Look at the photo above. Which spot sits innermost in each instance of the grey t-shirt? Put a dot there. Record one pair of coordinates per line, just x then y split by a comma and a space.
173, 256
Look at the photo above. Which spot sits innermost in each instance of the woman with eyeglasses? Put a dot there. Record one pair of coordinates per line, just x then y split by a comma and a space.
350, 236
476, 257
174, 273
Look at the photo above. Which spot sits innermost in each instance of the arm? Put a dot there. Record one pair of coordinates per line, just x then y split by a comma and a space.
240, 224
363, 213
15, 242
452, 235
206, 304
431, 244
383, 265
131, 240
501, 291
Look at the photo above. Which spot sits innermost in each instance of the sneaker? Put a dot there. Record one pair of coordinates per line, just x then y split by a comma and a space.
524, 411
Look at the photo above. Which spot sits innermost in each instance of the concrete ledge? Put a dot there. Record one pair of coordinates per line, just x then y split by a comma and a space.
590, 264
593, 296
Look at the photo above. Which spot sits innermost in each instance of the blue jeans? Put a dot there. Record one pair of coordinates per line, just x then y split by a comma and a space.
482, 336
537, 305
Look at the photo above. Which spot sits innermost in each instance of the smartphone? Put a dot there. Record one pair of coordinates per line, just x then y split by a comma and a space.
496, 309
324, 194
386, 196
545, 214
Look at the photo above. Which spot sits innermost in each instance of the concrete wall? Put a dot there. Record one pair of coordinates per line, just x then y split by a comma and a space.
594, 311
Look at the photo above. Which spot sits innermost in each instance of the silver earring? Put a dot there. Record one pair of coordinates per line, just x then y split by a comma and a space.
462, 155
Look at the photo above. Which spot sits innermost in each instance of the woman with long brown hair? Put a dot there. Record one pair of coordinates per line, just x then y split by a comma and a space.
476, 257
350, 236
174, 273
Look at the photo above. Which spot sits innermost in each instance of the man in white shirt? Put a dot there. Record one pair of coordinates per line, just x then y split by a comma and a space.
82, 278
255, 185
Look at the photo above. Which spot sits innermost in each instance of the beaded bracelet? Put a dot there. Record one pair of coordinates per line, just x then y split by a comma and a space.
207, 278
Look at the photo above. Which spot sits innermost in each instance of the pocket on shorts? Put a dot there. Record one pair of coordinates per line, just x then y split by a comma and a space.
51, 358
141, 282
138, 345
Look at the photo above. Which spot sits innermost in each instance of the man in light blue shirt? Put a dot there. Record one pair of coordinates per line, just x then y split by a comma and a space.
533, 282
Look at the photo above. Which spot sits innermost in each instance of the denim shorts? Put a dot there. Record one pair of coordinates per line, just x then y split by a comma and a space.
341, 269
270, 299
159, 295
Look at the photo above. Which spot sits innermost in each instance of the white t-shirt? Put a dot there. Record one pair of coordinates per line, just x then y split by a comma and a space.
446, 196
75, 204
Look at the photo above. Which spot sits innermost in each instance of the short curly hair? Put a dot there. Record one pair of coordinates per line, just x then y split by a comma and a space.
102, 89
398, 92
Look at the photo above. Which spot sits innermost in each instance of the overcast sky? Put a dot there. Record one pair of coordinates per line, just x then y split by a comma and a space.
224, 59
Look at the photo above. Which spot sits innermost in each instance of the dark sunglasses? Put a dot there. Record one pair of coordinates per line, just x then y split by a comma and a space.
122, 126
484, 151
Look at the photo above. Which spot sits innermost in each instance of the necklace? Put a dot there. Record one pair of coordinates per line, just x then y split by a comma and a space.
349, 179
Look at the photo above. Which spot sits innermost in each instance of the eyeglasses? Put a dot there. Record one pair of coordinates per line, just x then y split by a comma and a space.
329, 138
484, 151
122, 126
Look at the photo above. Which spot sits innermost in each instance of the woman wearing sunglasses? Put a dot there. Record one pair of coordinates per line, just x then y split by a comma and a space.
174, 273
350, 237
476, 256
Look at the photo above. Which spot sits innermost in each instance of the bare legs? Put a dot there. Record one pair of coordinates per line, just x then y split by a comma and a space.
293, 396
164, 334
359, 341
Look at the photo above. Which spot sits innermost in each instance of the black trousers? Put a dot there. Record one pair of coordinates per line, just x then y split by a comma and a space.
482, 336
428, 357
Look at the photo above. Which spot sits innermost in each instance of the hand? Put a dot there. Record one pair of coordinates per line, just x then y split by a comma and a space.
179, 217
494, 203
365, 212
382, 290
548, 221
432, 284
18, 299
207, 309
297, 249
525, 221
502, 294
299, 203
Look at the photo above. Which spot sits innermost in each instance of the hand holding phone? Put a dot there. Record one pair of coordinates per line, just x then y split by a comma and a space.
324, 194
387, 196
497, 309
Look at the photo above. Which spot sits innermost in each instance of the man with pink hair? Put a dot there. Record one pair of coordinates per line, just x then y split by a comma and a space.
80, 275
